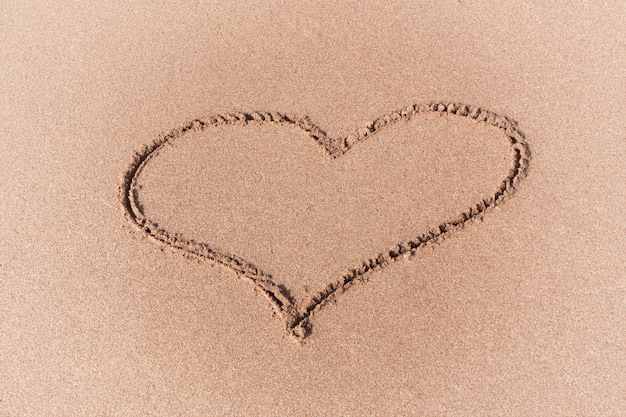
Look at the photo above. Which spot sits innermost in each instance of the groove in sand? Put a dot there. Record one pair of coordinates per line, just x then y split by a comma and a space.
297, 316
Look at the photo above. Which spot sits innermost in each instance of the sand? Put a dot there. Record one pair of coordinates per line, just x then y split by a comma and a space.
313, 209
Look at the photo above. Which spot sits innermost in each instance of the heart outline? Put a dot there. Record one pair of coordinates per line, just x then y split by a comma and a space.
295, 315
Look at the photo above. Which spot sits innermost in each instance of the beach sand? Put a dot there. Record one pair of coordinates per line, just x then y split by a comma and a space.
275, 209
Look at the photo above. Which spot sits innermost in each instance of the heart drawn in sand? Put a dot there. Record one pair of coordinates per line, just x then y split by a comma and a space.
296, 314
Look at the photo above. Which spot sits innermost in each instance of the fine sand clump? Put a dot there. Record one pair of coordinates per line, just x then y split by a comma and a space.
296, 314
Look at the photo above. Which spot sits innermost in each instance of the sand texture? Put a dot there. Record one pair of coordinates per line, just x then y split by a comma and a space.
311, 209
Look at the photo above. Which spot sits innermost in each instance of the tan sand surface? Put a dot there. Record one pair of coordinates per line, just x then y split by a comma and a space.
217, 278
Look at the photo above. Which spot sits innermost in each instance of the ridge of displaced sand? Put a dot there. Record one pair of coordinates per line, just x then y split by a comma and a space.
296, 316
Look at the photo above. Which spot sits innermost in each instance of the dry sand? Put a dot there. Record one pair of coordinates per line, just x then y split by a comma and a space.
188, 194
